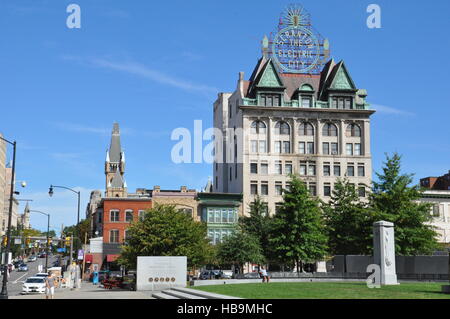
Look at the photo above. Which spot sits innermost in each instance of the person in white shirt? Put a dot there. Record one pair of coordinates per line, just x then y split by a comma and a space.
264, 274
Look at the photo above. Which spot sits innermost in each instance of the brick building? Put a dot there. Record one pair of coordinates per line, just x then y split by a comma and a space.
436, 183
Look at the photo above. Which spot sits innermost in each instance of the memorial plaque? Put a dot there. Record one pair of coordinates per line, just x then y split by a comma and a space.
161, 272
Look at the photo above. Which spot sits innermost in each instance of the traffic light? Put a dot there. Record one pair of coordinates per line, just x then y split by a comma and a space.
67, 241
49, 240
27, 241
4, 241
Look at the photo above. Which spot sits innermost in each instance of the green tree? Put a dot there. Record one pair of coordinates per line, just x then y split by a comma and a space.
79, 231
298, 232
166, 232
394, 200
258, 224
240, 248
349, 221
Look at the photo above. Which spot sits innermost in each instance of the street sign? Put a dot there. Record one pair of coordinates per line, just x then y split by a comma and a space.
17, 241
80, 254
61, 250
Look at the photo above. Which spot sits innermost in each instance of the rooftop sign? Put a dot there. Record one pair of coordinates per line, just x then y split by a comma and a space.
297, 47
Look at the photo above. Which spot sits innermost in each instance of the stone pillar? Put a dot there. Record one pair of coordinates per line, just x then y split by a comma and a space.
318, 137
384, 251
341, 138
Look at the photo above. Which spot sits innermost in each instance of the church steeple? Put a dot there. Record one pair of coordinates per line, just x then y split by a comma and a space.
115, 166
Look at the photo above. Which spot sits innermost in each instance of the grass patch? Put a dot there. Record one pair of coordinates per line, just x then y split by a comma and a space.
328, 290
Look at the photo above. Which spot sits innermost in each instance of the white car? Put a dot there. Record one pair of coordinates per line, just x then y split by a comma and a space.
32, 258
34, 285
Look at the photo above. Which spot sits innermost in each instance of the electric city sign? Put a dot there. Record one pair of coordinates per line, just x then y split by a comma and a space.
297, 47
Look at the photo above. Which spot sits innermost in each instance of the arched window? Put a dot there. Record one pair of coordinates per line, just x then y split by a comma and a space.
353, 130
258, 127
329, 129
306, 129
129, 216
282, 128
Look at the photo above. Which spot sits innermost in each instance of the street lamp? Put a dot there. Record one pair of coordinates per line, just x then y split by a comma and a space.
48, 231
4, 292
50, 193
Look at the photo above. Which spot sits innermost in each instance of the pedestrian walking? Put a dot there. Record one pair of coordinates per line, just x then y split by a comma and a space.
50, 286
264, 274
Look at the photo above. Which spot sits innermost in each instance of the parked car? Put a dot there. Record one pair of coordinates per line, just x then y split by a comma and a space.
227, 274
32, 258
211, 274
34, 285
41, 275
23, 267
248, 275
42, 255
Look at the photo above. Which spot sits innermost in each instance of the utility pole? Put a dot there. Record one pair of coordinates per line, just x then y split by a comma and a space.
71, 249
84, 255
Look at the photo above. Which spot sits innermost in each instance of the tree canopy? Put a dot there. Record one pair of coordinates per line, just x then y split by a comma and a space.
393, 199
349, 221
165, 231
298, 232
240, 248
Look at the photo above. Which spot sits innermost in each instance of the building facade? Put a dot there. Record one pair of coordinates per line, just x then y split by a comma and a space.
183, 199
437, 183
286, 120
220, 212
437, 192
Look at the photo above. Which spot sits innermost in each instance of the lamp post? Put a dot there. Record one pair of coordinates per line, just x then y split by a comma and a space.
50, 193
4, 292
48, 230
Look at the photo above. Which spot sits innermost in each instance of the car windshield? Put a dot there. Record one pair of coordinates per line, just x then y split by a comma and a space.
41, 275
35, 280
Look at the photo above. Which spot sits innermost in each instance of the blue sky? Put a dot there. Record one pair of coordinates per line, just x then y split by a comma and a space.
156, 65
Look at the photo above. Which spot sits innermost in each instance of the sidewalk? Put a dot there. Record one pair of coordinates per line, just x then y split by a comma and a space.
89, 291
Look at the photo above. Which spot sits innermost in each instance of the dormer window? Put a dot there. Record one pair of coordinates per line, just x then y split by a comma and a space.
270, 99
306, 101
306, 92
342, 103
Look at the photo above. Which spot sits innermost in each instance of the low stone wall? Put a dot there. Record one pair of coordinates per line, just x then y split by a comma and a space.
249, 281
405, 265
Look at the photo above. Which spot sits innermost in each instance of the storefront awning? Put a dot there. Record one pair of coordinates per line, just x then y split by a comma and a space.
111, 258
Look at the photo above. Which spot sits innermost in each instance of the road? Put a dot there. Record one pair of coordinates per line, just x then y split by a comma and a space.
17, 278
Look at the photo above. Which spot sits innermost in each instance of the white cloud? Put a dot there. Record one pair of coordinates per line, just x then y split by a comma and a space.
146, 72
82, 128
390, 110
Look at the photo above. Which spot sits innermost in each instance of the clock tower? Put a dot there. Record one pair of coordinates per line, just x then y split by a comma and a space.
115, 166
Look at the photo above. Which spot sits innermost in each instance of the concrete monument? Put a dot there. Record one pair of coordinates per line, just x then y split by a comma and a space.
384, 251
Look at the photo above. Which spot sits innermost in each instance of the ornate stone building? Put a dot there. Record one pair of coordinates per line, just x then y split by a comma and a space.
297, 113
